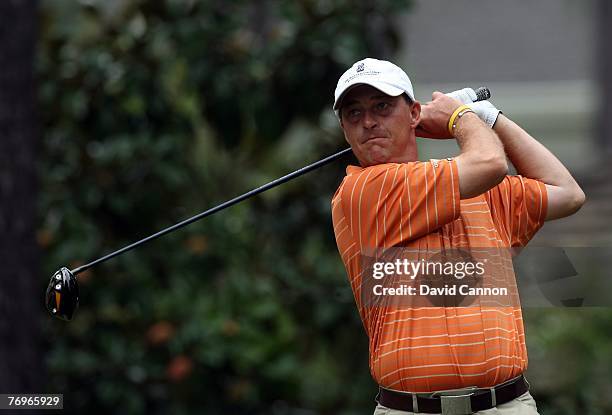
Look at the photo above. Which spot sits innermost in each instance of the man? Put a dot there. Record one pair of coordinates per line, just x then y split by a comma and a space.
474, 356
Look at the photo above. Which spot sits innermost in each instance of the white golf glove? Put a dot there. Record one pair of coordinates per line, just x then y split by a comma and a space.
465, 95
484, 109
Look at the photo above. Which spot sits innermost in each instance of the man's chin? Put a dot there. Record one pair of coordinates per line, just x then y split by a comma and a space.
378, 158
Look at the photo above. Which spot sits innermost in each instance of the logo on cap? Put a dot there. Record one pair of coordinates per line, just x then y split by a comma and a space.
360, 67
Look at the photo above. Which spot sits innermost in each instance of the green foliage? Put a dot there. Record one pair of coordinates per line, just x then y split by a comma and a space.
570, 361
153, 111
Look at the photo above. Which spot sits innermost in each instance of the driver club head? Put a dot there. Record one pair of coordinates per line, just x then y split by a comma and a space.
62, 297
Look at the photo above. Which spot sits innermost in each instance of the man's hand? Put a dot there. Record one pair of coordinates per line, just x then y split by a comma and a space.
484, 109
486, 112
465, 95
435, 115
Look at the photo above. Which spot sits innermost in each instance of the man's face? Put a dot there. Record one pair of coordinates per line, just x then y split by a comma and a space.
380, 128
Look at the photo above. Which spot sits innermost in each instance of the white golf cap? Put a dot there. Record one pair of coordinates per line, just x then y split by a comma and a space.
382, 75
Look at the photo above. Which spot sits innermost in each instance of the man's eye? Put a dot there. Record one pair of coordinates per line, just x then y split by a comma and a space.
353, 112
381, 106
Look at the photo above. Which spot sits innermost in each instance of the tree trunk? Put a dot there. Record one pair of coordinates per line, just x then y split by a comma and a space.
21, 292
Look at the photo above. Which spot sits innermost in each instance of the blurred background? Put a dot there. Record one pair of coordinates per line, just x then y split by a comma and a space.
121, 117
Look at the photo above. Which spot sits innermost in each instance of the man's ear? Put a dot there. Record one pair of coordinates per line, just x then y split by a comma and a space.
415, 111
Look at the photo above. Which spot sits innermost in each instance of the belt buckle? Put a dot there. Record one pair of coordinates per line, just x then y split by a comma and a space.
456, 404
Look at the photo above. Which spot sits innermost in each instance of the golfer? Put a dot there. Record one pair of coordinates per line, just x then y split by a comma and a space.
450, 360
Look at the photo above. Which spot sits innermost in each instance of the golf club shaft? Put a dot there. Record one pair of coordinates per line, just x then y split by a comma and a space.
215, 209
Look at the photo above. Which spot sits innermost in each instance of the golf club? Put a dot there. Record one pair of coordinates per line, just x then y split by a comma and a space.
62, 295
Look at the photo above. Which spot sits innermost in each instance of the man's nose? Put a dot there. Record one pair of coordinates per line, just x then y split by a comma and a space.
369, 120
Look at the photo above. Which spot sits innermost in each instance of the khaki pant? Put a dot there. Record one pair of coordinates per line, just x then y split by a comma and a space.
523, 405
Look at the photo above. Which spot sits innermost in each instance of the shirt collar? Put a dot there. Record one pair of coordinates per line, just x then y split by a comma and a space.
350, 169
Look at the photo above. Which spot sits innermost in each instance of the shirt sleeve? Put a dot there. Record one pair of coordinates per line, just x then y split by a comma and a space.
389, 204
518, 206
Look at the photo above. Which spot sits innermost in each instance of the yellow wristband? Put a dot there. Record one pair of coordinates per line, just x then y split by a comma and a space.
463, 109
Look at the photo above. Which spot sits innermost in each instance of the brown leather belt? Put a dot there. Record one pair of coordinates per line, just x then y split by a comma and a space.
464, 401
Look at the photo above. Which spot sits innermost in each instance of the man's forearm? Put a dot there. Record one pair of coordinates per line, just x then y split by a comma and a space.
482, 163
530, 157
535, 161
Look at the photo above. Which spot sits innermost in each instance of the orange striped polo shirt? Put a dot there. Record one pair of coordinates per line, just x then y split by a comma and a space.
418, 205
